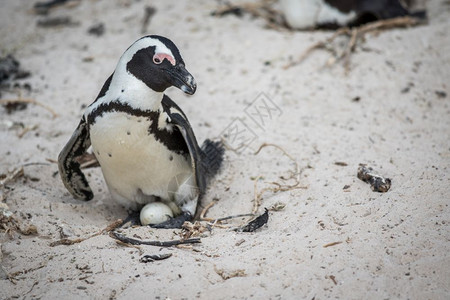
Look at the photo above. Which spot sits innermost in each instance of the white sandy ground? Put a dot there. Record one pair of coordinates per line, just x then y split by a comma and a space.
393, 246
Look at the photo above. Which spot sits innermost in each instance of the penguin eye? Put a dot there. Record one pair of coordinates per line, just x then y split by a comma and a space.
157, 60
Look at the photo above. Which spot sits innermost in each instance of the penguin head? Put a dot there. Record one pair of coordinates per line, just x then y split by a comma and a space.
156, 61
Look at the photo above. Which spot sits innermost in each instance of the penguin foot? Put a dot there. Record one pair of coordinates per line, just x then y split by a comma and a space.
132, 219
176, 222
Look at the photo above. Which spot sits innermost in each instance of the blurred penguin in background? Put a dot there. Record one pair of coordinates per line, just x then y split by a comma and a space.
308, 14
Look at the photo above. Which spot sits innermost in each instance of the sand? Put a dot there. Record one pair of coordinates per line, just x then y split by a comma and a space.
334, 238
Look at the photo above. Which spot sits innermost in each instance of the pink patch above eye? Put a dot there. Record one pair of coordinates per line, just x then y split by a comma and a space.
159, 57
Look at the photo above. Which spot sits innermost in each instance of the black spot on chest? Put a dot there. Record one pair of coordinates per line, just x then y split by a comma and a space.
173, 140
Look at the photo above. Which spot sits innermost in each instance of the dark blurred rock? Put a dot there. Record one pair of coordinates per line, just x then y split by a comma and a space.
97, 29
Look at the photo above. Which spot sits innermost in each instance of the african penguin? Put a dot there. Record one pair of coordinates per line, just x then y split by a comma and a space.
143, 141
307, 14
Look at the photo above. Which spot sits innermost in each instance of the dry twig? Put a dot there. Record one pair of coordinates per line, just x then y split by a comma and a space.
276, 186
205, 210
214, 222
132, 241
6, 178
355, 35
32, 101
108, 228
131, 246
332, 244
88, 160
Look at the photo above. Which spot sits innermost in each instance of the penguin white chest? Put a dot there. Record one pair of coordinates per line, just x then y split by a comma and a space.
136, 166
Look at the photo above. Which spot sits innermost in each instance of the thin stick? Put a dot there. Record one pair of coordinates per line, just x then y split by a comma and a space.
349, 49
90, 163
53, 161
317, 45
233, 217
32, 101
257, 196
132, 241
355, 35
205, 210
108, 228
131, 246
36, 164
279, 187
16, 173
332, 244
297, 169
26, 130
390, 23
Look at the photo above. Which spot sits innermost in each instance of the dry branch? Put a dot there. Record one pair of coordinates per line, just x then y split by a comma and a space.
132, 241
355, 35
276, 186
108, 228
32, 101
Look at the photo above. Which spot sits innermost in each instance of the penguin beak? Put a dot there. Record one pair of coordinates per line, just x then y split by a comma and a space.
183, 80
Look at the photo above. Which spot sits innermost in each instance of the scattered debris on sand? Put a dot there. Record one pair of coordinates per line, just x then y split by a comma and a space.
10, 69
10, 223
132, 241
230, 274
11, 102
107, 229
57, 22
152, 258
43, 8
257, 223
377, 182
354, 35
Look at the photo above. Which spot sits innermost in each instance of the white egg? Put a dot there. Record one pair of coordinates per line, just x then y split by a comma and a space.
155, 213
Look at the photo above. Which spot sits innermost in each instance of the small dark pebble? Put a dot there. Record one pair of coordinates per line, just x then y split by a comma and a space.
10, 69
97, 29
81, 287
377, 182
407, 88
441, 94
14, 106
233, 10
356, 99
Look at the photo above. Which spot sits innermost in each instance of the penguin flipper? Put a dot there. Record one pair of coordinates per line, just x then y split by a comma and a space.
69, 169
179, 119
